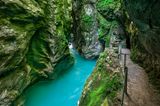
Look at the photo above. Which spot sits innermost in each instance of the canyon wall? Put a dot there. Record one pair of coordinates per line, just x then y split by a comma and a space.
85, 28
140, 21
143, 27
103, 87
33, 44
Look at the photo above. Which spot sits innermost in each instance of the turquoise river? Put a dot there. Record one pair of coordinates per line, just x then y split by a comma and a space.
64, 90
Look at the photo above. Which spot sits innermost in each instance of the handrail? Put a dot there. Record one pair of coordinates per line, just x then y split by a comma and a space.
124, 91
125, 71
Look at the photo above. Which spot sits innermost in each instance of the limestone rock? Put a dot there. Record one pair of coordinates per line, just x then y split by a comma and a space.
32, 45
144, 29
104, 84
85, 28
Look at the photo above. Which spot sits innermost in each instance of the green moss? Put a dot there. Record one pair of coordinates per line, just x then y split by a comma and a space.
63, 18
108, 41
104, 26
104, 3
108, 4
33, 43
102, 84
37, 56
87, 20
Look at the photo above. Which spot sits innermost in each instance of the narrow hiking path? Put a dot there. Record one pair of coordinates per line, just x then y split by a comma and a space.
140, 91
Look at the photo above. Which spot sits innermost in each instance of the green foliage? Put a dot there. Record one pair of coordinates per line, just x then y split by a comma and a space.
87, 20
63, 18
37, 56
106, 29
104, 26
104, 84
104, 3
33, 43
108, 4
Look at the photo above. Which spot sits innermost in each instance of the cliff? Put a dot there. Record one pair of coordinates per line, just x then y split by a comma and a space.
32, 44
137, 28
143, 27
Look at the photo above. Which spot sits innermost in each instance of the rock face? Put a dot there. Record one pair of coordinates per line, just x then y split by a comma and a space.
143, 27
32, 44
142, 24
93, 21
104, 85
85, 28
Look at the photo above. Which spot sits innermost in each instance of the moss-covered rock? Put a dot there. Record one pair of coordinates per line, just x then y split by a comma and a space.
143, 27
32, 44
85, 28
104, 84
93, 21
110, 9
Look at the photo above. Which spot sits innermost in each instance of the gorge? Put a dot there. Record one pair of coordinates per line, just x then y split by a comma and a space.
66, 88
39, 68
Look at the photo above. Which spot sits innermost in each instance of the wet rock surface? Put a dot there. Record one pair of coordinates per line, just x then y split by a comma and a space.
34, 34
31, 46
104, 85
144, 29
93, 23
85, 28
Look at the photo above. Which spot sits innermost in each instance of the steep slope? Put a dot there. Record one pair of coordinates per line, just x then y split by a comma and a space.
32, 46
143, 27
104, 85
93, 21
85, 28
140, 20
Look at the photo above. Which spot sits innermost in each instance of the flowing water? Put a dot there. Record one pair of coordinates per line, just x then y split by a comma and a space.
66, 89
